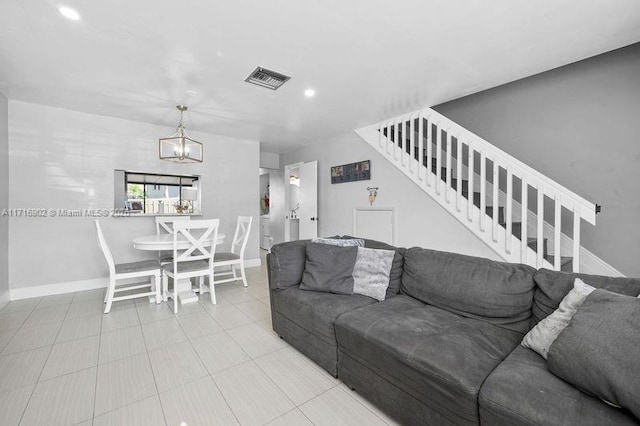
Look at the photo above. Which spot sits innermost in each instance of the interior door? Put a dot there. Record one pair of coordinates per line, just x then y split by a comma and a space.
308, 213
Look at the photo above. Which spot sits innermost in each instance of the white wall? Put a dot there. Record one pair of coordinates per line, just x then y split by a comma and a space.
61, 159
4, 199
579, 125
420, 220
269, 160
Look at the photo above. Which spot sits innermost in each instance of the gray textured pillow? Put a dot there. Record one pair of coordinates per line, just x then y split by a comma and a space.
329, 268
541, 337
371, 272
347, 242
598, 351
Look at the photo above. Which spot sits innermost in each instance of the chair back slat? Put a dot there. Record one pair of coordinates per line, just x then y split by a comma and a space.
241, 236
164, 224
202, 245
102, 242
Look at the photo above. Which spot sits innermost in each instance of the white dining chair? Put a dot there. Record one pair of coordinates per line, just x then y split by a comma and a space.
125, 271
196, 260
164, 225
235, 258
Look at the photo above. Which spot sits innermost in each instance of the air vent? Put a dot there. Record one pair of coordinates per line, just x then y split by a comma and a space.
267, 78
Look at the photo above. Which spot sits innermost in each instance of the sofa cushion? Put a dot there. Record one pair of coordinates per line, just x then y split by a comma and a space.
329, 268
434, 355
397, 267
553, 286
498, 292
286, 264
521, 391
598, 351
316, 311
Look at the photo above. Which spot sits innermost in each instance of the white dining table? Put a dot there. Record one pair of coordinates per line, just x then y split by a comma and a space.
164, 242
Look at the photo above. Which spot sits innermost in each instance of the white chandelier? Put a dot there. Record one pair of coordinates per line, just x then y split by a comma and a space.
180, 148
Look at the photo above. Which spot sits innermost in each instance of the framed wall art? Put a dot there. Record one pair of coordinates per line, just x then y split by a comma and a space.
351, 172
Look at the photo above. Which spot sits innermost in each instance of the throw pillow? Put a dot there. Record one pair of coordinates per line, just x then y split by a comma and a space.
348, 242
371, 272
598, 351
329, 268
541, 337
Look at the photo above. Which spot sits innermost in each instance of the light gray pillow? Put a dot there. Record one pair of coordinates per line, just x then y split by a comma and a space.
347, 242
371, 272
540, 337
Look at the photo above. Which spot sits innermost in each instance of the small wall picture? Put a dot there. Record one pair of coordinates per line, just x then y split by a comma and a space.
351, 172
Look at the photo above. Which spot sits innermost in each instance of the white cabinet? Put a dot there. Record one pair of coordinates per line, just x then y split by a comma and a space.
265, 235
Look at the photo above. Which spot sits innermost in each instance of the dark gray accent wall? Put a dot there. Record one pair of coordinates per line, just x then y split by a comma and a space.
4, 198
579, 125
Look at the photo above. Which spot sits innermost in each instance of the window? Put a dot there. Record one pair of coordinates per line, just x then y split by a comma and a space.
157, 194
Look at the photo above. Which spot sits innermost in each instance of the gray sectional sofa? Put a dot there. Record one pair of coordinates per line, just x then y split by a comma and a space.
443, 347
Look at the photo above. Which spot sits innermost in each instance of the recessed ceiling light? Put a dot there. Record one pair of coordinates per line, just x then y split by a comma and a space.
69, 13
309, 93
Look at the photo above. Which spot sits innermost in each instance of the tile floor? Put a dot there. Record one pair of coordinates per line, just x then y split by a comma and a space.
62, 362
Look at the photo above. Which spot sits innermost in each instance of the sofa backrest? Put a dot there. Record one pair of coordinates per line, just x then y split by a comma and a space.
497, 292
286, 263
553, 286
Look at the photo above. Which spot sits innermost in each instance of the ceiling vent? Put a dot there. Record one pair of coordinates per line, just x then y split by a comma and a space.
267, 78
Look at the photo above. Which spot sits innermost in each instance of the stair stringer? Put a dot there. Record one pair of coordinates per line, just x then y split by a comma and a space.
508, 247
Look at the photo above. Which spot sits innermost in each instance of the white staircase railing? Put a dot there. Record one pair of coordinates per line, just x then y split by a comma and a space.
500, 199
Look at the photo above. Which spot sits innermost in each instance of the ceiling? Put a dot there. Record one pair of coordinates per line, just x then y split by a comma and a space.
366, 59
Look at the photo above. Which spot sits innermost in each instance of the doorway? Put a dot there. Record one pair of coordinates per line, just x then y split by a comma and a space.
301, 201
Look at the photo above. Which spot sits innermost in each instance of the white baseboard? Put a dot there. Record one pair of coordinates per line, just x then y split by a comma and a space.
4, 299
57, 288
73, 286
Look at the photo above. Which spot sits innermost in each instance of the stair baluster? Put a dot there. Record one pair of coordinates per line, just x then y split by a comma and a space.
459, 174
495, 200
576, 238
438, 159
396, 139
483, 190
509, 213
557, 227
524, 238
412, 144
429, 151
540, 227
470, 190
448, 167
420, 146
